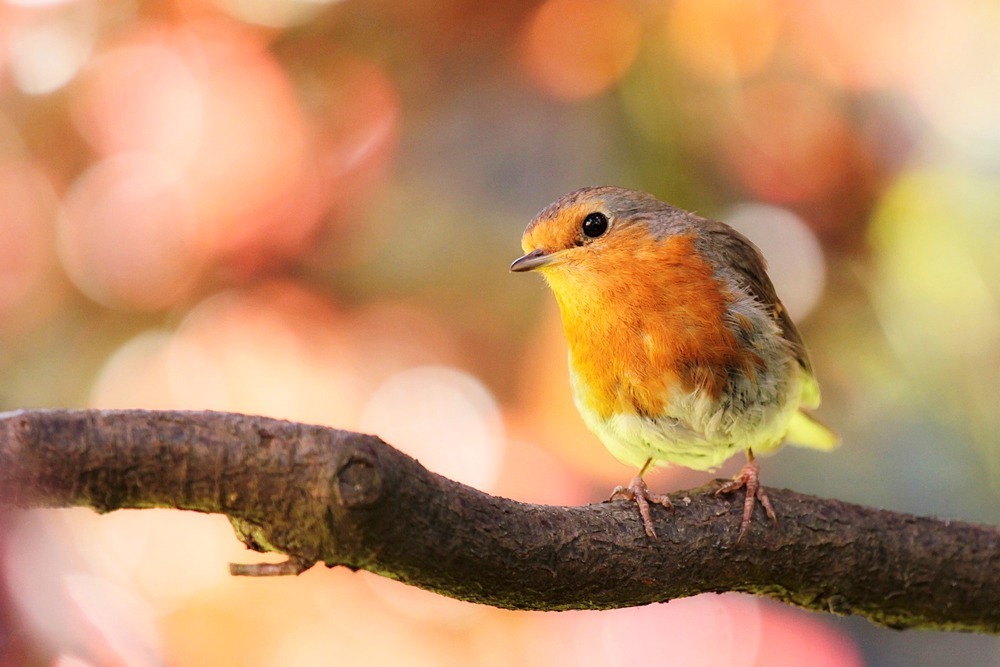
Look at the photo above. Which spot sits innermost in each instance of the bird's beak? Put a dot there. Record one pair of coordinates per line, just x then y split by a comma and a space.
533, 260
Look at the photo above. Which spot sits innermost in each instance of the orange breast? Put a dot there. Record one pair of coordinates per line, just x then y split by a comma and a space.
642, 317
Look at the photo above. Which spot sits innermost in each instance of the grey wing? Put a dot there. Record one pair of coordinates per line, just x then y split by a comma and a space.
750, 268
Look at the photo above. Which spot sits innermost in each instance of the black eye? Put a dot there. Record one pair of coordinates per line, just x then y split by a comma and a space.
594, 224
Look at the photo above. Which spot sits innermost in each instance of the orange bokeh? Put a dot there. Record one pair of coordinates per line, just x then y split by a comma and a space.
259, 166
724, 40
355, 116
254, 180
786, 141
575, 49
26, 229
127, 233
855, 44
142, 96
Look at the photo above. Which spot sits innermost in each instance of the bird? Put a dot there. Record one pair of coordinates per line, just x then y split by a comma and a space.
680, 351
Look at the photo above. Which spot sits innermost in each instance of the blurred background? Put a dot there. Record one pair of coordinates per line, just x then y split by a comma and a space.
306, 210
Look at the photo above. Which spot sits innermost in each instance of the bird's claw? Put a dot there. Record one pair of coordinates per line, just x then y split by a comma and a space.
638, 491
749, 477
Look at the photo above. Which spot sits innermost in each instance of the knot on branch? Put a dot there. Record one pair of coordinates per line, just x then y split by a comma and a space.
358, 483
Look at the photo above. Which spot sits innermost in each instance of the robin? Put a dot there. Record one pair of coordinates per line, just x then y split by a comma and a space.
679, 350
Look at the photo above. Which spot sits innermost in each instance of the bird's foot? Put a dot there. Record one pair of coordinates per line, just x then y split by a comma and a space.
639, 492
749, 477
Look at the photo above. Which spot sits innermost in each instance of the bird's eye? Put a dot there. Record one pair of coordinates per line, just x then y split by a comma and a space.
594, 225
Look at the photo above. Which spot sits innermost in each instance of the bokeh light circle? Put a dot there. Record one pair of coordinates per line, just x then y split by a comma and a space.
574, 49
126, 233
444, 418
795, 260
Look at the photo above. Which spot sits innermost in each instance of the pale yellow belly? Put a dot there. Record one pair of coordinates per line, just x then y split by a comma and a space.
694, 431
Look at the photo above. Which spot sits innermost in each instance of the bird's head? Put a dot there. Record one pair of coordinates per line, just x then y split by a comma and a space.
596, 230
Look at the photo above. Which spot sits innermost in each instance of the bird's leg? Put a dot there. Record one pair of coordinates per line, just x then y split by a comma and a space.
749, 477
639, 492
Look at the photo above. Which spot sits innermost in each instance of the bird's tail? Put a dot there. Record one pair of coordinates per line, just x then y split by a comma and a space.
806, 430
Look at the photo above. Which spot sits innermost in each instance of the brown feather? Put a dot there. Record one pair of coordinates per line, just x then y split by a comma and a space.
734, 252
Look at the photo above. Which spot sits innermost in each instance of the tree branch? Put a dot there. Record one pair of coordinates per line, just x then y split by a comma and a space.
319, 494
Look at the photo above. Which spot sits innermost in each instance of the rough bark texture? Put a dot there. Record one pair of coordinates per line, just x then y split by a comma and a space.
319, 494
